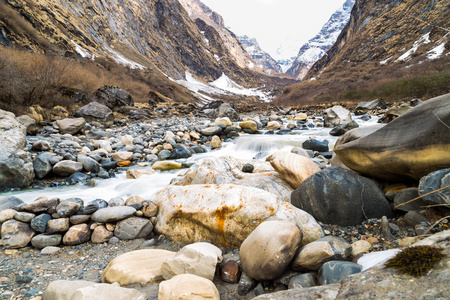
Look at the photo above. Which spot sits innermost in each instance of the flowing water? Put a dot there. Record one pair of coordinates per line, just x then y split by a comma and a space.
244, 147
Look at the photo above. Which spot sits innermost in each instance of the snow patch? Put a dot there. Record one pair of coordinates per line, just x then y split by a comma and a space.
372, 259
383, 62
120, 59
436, 52
425, 39
83, 52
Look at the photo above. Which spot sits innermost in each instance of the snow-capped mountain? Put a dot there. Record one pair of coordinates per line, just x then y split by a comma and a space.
259, 56
316, 47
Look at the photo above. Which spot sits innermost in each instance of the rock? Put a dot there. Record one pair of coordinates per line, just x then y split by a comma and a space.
269, 249
301, 117
96, 114
139, 266
364, 106
66, 209
248, 168
223, 121
210, 131
86, 290
336, 115
302, 281
342, 129
315, 145
292, 167
39, 223
246, 284
24, 217
58, 225
77, 234
360, 198
70, 126
360, 247
134, 200
29, 123
15, 163
50, 250
300, 151
7, 202
127, 140
226, 110
137, 173
116, 201
273, 125
67, 168
132, 228
216, 142
101, 235
122, 156
41, 205
77, 177
166, 165
16, 234
405, 196
395, 112
315, 254
226, 220
198, 259
188, 286
333, 271
41, 241
249, 125
113, 214
7, 214
113, 97
230, 272
180, 151
93, 206
89, 165
414, 218
41, 145
78, 219
432, 182
42, 165
409, 147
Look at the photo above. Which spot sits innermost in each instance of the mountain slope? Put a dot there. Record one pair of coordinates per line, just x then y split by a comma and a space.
259, 56
384, 41
316, 47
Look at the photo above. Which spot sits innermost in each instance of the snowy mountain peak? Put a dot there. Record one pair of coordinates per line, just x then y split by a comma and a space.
316, 47
259, 56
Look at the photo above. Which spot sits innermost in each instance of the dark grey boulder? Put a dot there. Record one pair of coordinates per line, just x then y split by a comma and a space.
405, 196
41, 241
335, 270
432, 182
132, 228
39, 223
339, 196
302, 281
342, 129
77, 177
41, 205
7, 202
42, 164
180, 151
113, 97
96, 114
93, 206
364, 106
315, 145
164, 154
89, 164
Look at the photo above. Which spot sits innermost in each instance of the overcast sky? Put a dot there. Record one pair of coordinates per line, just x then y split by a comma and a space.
275, 23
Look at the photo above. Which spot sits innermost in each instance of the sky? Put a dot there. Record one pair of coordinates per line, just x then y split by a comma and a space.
285, 24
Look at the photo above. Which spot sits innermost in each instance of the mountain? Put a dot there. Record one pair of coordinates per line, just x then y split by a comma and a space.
263, 60
316, 47
383, 43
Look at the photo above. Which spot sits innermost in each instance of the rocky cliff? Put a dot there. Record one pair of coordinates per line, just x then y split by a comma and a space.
316, 47
383, 41
263, 59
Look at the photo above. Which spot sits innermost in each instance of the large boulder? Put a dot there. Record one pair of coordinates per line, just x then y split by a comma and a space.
364, 106
15, 163
339, 196
269, 249
67, 167
292, 167
7, 202
224, 214
113, 97
188, 286
435, 181
16, 234
226, 110
96, 114
410, 147
336, 115
70, 125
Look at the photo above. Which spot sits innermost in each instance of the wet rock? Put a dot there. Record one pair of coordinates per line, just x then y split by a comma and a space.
216, 142
70, 126
342, 129
77, 234
166, 165
41, 241
136, 173
210, 131
139, 266
93, 206
230, 272
89, 164
132, 228
67, 168
188, 286
223, 121
333, 271
58, 225
273, 125
269, 249
414, 218
16, 234
365, 106
113, 214
39, 223
180, 151
248, 168
78, 219
246, 284
315, 145
116, 201
251, 125
363, 199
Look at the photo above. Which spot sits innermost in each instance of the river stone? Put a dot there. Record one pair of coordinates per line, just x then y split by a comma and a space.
302, 281
360, 247
134, 200
166, 165
66, 209
432, 182
273, 125
67, 168
41, 145
137, 173
41, 241
139, 266
249, 125
15, 163
39, 223
149, 209
164, 154
210, 131
300, 117
112, 96
333, 271
216, 142
300, 151
41, 205
223, 121
70, 125
406, 195
116, 201
132, 228
315, 145
198, 259
122, 156
101, 235
364, 106
127, 140
410, 147
275, 243
113, 214
226, 110
42, 165
180, 151
315, 254
58, 225
188, 286
77, 234
7, 214
336, 115
16, 234
93, 206
194, 213
338, 196
86, 290
7, 202
78, 219
230, 272
105, 144
89, 164
342, 129
292, 167
24, 217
